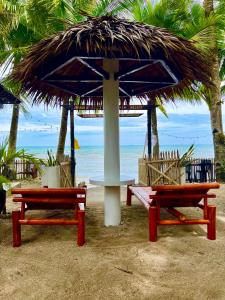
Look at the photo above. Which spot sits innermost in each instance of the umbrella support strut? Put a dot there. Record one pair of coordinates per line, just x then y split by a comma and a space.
111, 145
72, 150
149, 130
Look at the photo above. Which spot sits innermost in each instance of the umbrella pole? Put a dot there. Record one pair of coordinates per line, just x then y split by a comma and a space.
72, 150
111, 145
149, 131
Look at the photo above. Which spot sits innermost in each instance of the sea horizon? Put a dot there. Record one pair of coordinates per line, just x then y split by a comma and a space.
90, 159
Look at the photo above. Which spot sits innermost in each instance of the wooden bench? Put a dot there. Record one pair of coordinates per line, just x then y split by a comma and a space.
171, 196
49, 199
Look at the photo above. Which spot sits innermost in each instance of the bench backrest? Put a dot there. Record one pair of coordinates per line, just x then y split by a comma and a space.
51, 192
182, 195
186, 187
76, 194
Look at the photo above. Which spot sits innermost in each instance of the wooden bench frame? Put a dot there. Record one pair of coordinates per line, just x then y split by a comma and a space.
48, 199
171, 196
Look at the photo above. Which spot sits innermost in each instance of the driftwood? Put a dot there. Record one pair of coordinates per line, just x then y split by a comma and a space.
123, 270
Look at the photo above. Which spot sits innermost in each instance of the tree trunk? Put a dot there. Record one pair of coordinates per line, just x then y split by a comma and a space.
214, 96
14, 128
155, 136
62, 134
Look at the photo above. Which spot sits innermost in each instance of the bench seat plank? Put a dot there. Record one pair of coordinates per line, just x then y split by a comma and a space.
49, 200
143, 194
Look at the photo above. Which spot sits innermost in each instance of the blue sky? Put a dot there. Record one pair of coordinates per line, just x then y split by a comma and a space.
185, 125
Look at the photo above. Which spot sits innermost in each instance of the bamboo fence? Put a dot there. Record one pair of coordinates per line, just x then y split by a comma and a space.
166, 169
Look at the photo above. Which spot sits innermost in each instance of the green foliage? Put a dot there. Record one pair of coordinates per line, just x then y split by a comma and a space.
185, 158
186, 18
220, 171
7, 158
51, 160
24, 23
5, 181
161, 107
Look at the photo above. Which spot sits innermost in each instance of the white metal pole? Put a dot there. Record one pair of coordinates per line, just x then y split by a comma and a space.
111, 145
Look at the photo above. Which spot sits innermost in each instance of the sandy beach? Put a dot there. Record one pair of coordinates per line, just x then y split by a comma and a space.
115, 263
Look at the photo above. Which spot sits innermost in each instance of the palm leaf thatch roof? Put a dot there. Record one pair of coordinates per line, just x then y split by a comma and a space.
7, 97
152, 62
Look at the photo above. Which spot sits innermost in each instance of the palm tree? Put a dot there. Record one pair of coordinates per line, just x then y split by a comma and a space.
213, 97
189, 19
155, 134
62, 133
24, 23
20, 29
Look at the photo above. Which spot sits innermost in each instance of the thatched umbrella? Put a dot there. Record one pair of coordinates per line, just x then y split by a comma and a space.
7, 97
105, 59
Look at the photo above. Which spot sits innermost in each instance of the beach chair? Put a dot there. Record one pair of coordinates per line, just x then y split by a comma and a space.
49, 199
170, 197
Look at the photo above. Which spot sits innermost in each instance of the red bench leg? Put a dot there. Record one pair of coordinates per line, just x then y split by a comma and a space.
211, 227
129, 195
81, 228
16, 228
153, 211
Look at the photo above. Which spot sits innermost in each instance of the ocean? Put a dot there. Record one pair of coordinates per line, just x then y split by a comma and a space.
89, 159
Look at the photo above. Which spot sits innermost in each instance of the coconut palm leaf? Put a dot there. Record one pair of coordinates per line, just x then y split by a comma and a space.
185, 158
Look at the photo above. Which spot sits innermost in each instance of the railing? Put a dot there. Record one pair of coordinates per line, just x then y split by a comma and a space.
201, 170
20, 169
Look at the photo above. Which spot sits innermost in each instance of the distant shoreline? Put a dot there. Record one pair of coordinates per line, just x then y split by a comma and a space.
90, 159
201, 150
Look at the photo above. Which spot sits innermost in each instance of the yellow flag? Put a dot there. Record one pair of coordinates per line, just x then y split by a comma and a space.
76, 144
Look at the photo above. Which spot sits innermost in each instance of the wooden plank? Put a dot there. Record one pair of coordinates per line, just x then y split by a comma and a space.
62, 192
65, 174
187, 186
164, 173
48, 222
185, 222
165, 176
143, 194
143, 176
49, 200
173, 196
176, 213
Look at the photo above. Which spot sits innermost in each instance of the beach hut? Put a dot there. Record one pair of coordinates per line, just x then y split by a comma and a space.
107, 61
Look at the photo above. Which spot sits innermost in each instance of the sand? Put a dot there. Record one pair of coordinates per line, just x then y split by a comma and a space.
115, 263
